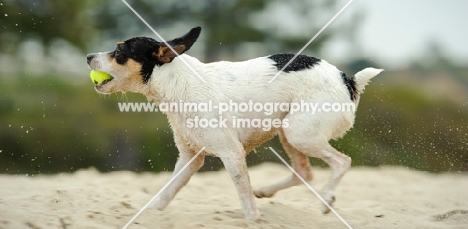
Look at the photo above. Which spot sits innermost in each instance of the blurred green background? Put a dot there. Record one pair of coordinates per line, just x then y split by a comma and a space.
51, 119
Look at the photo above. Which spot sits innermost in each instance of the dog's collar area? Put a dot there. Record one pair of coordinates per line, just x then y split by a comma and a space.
147, 70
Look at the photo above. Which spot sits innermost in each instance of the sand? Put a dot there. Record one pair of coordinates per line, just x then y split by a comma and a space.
388, 197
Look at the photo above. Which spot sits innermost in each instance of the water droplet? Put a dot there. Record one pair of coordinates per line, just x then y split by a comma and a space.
6, 15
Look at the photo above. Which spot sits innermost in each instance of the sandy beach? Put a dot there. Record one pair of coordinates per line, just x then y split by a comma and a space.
388, 197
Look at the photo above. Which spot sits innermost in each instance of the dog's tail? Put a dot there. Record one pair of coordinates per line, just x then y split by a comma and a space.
363, 77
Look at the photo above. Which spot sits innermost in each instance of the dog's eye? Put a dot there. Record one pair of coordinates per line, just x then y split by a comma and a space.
117, 53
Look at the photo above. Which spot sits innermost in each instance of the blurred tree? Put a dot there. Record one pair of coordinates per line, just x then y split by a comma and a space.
233, 22
228, 23
45, 21
435, 58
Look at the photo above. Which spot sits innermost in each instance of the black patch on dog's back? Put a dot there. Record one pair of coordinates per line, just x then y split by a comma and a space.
301, 62
350, 85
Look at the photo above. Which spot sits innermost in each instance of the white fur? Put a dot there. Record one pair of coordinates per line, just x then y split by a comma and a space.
363, 77
307, 134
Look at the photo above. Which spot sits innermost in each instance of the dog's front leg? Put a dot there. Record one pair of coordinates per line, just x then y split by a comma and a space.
237, 168
171, 190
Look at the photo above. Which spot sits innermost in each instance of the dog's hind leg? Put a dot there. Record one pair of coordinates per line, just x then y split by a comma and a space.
185, 155
300, 164
339, 163
306, 134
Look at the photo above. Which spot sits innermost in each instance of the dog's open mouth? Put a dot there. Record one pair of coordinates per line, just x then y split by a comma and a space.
104, 82
100, 78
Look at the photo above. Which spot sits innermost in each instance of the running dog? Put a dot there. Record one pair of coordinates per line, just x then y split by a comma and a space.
164, 74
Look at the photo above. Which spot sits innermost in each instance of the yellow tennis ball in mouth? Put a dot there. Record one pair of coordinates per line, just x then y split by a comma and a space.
98, 77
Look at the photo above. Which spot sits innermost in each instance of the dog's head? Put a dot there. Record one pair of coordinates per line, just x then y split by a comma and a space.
132, 62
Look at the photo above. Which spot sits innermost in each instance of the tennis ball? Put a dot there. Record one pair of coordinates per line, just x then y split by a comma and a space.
98, 77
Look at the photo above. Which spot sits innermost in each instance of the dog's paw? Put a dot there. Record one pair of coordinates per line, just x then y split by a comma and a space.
263, 194
329, 199
254, 215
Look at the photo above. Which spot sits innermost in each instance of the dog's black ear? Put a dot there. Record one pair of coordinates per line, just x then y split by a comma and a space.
181, 44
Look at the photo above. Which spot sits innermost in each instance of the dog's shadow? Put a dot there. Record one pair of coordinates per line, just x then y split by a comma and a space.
272, 213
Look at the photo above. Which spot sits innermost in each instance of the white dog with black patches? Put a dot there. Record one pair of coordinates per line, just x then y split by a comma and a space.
146, 66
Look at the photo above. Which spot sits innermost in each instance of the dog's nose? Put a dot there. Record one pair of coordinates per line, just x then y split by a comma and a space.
89, 57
